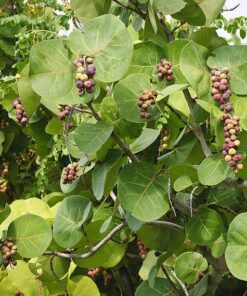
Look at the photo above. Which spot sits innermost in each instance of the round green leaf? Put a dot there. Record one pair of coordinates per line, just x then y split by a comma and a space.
51, 69
126, 93
142, 192
32, 235
204, 227
212, 171
72, 213
107, 256
145, 57
236, 251
82, 286
189, 265
235, 58
90, 137
87, 9
103, 38
211, 9
160, 238
32, 205
161, 287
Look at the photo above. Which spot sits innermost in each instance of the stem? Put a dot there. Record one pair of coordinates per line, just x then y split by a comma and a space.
93, 249
128, 289
108, 237
169, 279
136, 9
169, 34
196, 127
186, 293
114, 135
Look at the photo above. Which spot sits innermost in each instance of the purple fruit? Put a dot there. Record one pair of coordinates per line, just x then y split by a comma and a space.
226, 134
232, 163
224, 152
223, 87
231, 144
89, 90
228, 107
80, 84
237, 129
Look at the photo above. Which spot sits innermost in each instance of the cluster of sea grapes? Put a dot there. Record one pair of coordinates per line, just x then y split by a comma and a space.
4, 123
145, 101
4, 169
164, 70
31, 153
94, 272
20, 113
164, 139
64, 110
3, 185
142, 249
8, 252
222, 94
85, 71
70, 173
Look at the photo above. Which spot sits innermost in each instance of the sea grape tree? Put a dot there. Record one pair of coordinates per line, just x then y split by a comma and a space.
123, 149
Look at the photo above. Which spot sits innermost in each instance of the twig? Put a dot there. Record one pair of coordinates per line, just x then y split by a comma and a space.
177, 27
169, 197
196, 127
136, 10
67, 123
231, 9
82, 110
191, 200
122, 145
120, 209
109, 236
169, 279
169, 34
93, 249
186, 293
166, 224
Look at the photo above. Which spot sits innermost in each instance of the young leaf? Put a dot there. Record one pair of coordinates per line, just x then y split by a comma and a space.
73, 212
189, 266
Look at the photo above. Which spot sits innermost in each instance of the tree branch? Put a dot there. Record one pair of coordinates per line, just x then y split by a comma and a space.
136, 9
122, 145
196, 127
109, 236
231, 9
169, 33
94, 249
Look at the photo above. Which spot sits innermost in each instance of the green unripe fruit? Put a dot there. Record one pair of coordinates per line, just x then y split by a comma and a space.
80, 69
232, 131
232, 151
240, 166
237, 142
79, 76
165, 139
84, 77
233, 137
164, 146
228, 158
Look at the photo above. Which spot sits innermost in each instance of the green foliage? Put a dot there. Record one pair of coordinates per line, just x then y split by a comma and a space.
154, 208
